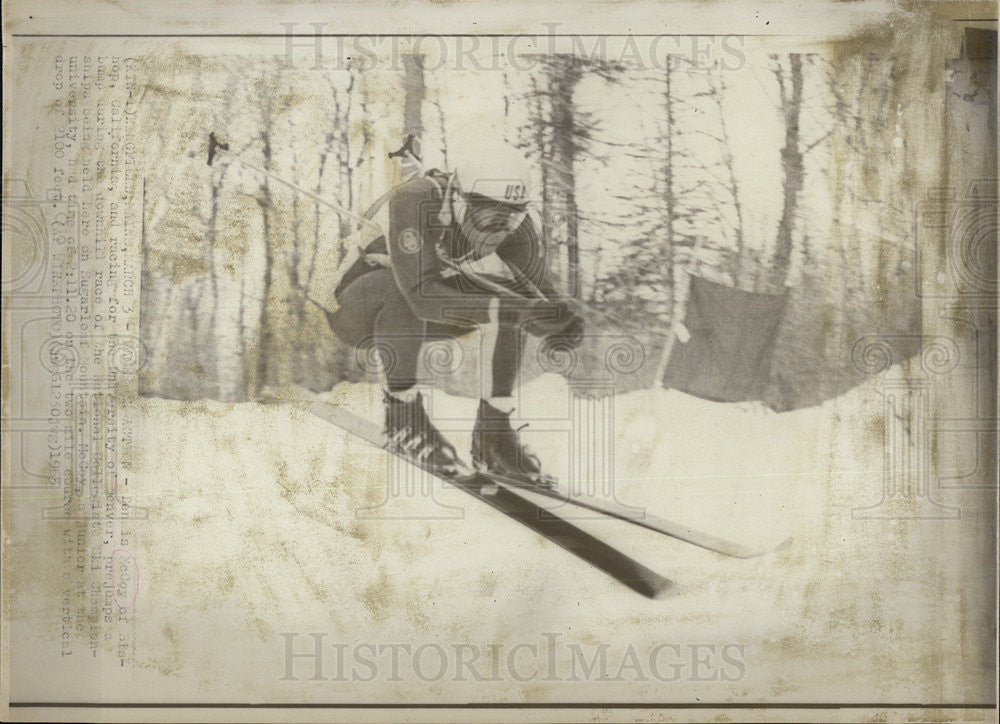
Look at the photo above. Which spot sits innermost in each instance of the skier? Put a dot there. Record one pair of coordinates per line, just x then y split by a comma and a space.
461, 253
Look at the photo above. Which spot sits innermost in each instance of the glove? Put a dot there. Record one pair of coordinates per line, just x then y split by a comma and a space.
558, 320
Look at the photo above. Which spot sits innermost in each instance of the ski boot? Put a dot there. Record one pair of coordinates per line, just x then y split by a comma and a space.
497, 449
411, 434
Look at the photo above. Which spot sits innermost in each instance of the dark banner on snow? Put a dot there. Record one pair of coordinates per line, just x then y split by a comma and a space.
727, 356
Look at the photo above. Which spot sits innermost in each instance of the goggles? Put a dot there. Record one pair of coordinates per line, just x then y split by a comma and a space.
487, 215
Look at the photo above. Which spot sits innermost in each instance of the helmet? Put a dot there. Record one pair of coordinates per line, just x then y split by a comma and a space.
499, 173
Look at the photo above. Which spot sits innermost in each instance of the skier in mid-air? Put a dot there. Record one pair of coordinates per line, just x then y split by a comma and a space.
461, 253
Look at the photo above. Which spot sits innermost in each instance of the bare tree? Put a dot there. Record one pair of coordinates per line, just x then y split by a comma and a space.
791, 163
266, 204
564, 74
560, 133
669, 205
414, 90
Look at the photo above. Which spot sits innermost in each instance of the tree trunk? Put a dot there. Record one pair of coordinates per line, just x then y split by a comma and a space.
668, 196
265, 336
791, 163
564, 77
538, 126
414, 91
346, 179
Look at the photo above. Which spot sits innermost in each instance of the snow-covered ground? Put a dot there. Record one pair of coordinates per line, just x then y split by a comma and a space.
254, 531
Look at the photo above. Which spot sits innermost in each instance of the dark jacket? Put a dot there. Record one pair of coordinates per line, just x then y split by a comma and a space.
423, 245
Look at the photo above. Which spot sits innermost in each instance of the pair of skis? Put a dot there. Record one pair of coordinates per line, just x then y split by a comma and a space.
512, 497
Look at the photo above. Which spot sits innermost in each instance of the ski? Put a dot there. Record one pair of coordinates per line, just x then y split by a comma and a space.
643, 519
511, 502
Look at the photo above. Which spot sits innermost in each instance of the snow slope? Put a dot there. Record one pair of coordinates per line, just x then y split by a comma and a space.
253, 532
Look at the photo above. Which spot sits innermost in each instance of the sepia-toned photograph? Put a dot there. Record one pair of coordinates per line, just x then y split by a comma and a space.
479, 362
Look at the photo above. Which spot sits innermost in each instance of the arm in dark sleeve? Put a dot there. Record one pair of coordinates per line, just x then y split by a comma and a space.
413, 230
524, 251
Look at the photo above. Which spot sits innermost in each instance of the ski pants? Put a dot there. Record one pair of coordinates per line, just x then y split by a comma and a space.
373, 312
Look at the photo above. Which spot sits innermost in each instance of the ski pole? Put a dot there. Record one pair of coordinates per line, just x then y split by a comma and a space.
632, 327
405, 151
214, 145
